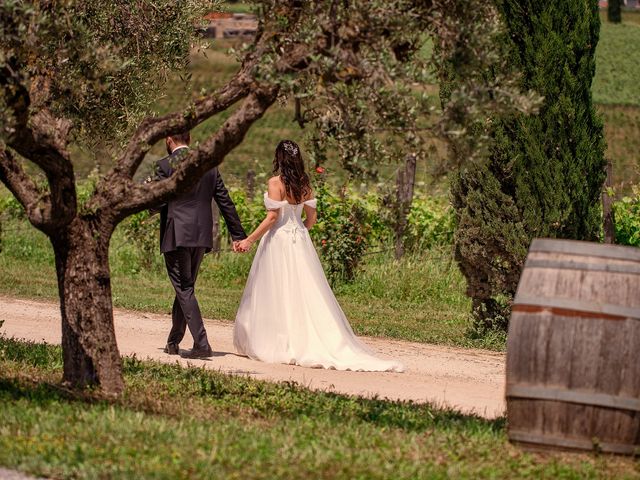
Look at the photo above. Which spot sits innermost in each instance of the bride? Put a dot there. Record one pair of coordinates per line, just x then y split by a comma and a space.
288, 313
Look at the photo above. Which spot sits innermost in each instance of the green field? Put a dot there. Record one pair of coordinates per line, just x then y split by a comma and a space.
194, 423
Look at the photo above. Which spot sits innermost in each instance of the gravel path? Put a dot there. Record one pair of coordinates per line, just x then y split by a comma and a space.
469, 380
13, 475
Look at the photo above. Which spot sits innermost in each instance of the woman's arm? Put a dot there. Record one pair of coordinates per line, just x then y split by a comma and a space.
272, 215
311, 216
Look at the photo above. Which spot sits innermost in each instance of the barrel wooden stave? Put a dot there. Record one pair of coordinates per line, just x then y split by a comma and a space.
587, 355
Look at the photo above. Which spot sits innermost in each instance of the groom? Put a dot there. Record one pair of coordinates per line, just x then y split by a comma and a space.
186, 225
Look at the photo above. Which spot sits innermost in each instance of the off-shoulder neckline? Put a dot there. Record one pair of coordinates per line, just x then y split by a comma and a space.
266, 194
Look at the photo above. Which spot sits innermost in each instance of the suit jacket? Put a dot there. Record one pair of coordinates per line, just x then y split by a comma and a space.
187, 221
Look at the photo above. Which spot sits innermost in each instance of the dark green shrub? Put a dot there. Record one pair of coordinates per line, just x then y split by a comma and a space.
545, 172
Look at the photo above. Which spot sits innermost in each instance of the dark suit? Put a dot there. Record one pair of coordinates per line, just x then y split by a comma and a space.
186, 233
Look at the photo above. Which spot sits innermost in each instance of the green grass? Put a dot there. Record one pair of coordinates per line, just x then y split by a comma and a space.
193, 423
238, 7
420, 298
622, 131
617, 65
615, 90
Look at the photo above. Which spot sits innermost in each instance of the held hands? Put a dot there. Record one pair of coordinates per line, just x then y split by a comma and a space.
242, 246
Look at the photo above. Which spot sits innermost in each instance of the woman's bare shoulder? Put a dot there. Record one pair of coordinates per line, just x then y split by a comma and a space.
275, 188
275, 181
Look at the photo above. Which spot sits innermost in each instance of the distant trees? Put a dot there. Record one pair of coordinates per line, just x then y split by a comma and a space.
545, 172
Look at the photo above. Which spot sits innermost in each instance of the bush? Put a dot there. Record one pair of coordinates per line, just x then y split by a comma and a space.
143, 231
347, 226
342, 232
10, 207
430, 223
627, 219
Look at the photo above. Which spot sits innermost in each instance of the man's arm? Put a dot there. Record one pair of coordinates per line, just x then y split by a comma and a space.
228, 210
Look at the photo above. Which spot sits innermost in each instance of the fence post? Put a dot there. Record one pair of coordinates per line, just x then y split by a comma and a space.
607, 210
251, 184
404, 197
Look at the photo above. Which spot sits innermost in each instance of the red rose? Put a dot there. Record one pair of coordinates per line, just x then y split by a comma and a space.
320, 169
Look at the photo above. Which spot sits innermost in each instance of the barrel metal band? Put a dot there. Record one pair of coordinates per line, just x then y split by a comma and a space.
572, 307
572, 443
576, 247
630, 269
573, 396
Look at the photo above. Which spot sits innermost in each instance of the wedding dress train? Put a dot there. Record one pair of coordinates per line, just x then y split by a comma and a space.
288, 313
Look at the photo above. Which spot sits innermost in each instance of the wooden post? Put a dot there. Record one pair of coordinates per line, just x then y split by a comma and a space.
405, 182
607, 210
251, 184
216, 227
614, 11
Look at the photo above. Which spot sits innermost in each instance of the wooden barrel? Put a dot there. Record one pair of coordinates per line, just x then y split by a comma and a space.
573, 349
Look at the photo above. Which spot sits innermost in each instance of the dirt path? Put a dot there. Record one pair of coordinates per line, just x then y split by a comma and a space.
469, 380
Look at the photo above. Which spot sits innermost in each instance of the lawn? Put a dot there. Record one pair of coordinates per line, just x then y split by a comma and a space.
194, 423
617, 62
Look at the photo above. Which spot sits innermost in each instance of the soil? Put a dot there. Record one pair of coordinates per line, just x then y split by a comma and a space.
468, 380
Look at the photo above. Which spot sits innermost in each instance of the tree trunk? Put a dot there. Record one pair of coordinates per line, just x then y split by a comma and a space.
405, 183
614, 11
89, 346
607, 210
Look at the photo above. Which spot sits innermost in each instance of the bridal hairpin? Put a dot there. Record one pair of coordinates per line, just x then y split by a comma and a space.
291, 148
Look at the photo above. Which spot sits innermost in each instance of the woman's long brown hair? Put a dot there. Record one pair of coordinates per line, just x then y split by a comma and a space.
288, 163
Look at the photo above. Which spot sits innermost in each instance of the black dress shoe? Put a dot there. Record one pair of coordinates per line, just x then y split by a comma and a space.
198, 353
172, 349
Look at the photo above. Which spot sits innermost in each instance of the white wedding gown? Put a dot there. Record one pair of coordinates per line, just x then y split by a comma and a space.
288, 313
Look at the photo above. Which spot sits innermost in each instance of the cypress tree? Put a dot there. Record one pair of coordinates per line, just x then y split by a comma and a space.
544, 174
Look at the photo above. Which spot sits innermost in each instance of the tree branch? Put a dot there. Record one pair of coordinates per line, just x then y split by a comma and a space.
42, 138
136, 197
153, 129
36, 204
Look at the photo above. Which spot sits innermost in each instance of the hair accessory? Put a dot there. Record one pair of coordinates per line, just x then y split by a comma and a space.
290, 148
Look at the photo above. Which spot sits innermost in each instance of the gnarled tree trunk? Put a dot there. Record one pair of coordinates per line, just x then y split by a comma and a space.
84, 283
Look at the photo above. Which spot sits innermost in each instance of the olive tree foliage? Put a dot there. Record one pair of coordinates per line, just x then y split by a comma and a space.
73, 71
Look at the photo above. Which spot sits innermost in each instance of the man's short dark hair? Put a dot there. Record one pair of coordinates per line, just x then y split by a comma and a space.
182, 138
